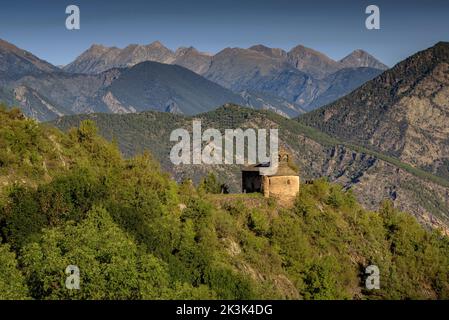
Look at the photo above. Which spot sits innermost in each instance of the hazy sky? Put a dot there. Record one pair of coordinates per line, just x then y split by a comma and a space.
333, 27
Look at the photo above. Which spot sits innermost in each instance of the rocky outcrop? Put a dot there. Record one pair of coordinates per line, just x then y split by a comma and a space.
403, 113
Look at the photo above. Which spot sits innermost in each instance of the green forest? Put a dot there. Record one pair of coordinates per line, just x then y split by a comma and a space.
134, 233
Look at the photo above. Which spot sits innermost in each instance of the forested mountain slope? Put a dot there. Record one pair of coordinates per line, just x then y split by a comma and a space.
136, 234
373, 176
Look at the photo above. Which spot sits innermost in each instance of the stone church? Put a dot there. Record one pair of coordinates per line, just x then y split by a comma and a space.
283, 185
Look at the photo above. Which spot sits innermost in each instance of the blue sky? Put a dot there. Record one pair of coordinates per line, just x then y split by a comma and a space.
332, 27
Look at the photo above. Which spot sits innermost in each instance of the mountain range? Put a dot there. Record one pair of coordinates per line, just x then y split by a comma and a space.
299, 76
386, 140
99, 58
288, 83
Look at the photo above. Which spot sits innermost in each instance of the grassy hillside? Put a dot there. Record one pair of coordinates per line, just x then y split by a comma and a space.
136, 234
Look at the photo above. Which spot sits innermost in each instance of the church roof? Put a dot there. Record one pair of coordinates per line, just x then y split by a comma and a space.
283, 169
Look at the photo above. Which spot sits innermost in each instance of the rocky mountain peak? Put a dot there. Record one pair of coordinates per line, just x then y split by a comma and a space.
97, 48
157, 44
192, 59
186, 50
96, 51
301, 50
271, 52
360, 58
312, 62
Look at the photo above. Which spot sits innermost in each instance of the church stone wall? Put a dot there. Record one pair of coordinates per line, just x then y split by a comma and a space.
281, 186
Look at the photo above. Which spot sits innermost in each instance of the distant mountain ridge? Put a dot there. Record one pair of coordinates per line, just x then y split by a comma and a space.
99, 58
298, 76
45, 92
260, 77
